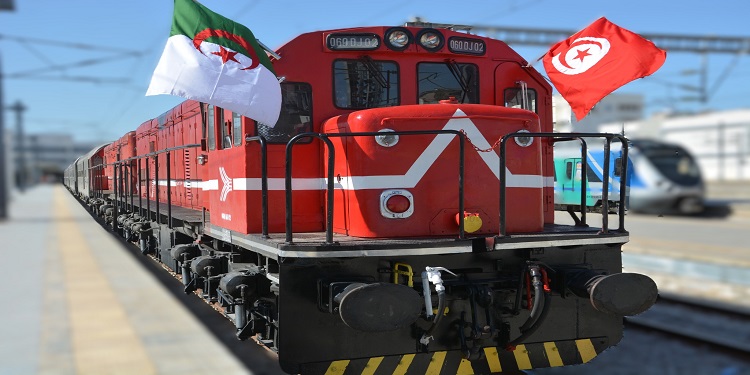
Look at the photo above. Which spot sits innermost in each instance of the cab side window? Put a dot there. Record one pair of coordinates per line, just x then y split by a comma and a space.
295, 117
210, 127
226, 137
237, 128
514, 99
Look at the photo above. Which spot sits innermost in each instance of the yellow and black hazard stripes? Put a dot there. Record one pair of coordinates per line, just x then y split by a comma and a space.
493, 360
586, 349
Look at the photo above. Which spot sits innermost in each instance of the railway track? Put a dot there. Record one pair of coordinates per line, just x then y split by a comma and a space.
702, 321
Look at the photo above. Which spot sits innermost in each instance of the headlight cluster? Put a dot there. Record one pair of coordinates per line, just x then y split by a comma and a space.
399, 38
524, 141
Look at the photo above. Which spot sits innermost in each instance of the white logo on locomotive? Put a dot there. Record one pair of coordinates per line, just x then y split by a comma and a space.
227, 184
583, 54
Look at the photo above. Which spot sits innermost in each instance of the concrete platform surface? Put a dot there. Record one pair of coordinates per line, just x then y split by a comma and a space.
75, 301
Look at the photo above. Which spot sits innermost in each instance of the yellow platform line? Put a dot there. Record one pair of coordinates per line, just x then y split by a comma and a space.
55, 352
103, 340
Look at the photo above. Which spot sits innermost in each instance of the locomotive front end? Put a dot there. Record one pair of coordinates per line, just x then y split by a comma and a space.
407, 289
462, 308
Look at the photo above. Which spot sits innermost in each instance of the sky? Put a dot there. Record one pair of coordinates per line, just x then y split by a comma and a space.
83, 66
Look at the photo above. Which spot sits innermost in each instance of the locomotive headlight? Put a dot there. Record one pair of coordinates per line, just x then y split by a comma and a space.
432, 40
396, 204
398, 38
388, 138
524, 141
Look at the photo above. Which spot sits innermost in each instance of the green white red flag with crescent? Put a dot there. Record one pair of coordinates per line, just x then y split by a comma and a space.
215, 60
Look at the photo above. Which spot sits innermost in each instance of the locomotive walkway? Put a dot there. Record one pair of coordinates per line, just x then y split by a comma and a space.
76, 301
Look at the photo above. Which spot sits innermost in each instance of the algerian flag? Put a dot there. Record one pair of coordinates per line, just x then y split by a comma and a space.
215, 60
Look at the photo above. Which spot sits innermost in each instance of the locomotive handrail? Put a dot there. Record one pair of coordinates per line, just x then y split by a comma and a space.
263, 181
623, 180
605, 174
154, 153
120, 193
140, 196
117, 201
169, 191
156, 190
288, 185
584, 176
130, 184
148, 190
331, 162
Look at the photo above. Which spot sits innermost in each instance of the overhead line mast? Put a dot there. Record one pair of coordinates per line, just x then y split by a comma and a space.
548, 37
737, 45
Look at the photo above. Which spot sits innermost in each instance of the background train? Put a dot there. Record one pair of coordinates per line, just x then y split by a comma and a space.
666, 179
398, 218
570, 177
661, 178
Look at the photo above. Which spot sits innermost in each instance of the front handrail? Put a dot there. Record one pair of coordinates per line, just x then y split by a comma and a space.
288, 184
605, 174
330, 172
263, 181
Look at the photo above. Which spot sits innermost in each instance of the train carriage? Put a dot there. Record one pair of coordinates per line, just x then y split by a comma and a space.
70, 177
572, 171
661, 178
92, 176
399, 217
667, 179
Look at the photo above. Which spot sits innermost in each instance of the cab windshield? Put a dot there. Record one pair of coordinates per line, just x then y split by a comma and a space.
365, 83
674, 162
440, 81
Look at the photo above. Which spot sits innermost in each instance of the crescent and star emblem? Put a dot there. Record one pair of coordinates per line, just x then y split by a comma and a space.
582, 54
226, 54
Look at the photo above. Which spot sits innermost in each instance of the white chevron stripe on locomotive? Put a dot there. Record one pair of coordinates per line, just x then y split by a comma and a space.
412, 176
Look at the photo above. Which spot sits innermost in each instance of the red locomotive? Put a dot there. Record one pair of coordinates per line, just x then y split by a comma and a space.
399, 217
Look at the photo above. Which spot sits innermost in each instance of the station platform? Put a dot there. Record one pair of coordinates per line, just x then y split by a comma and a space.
75, 300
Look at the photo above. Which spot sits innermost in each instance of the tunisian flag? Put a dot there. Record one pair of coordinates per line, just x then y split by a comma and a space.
598, 60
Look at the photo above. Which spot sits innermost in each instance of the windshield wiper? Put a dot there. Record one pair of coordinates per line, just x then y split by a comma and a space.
456, 71
375, 72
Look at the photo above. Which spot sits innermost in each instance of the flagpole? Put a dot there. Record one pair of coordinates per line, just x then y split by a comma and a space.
270, 51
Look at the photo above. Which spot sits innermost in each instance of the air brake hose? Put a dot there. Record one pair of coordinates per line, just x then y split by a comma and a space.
433, 275
535, 325
538, 285
436, 320
536, 317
